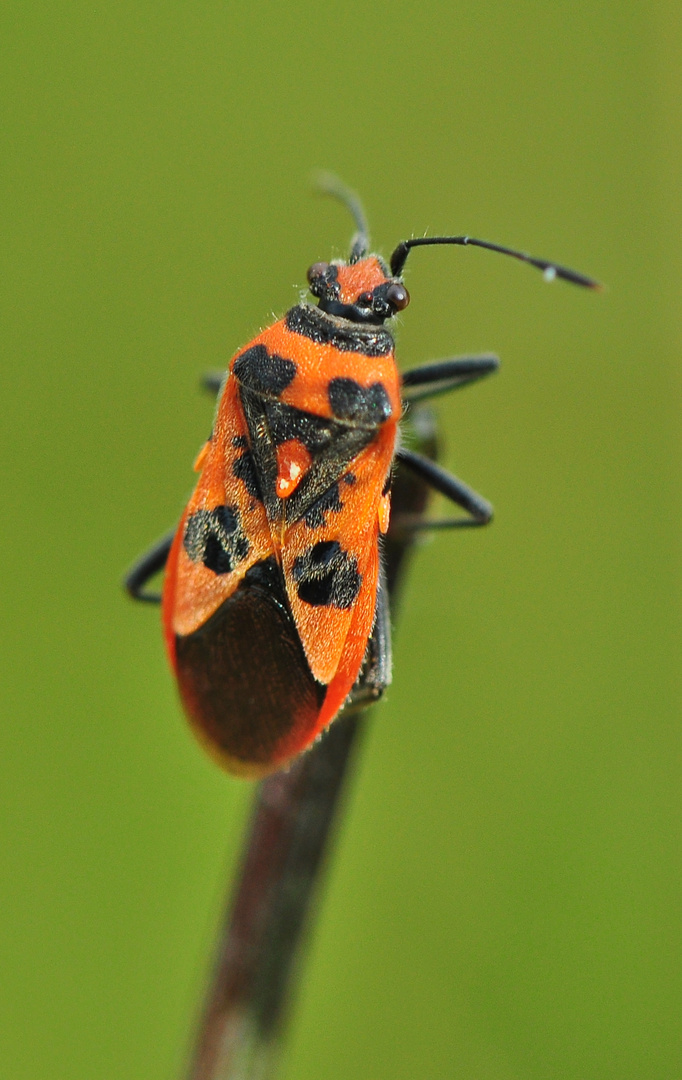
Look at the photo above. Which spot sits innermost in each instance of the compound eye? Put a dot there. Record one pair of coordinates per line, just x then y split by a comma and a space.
398, 296
317, 270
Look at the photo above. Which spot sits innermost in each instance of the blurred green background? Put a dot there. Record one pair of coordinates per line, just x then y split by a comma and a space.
504, 899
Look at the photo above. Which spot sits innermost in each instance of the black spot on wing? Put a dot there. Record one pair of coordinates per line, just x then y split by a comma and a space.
327, 576
326, 329
263, 372
366, 405
215, 538
349, 478
329, 502
244, 468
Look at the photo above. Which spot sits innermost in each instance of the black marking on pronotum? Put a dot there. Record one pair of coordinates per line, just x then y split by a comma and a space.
263, 372
327, 576
325, 330
215, 538
368, 406
329, 502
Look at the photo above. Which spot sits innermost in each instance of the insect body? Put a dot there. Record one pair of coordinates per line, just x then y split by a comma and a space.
272, 598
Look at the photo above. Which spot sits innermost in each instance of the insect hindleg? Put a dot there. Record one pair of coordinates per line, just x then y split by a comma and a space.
146, 566
376, 671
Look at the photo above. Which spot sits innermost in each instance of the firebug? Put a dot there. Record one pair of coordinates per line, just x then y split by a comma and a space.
273, 605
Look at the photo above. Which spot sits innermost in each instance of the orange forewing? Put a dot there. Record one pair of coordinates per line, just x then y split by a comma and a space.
350, 662
355, 645
324, 629
192, 593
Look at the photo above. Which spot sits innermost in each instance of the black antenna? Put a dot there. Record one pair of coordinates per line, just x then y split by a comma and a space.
550, 270
329, 184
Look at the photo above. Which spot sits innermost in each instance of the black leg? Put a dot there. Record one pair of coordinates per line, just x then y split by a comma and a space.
441, 376
446, 484
146, 566
213, 381
375, 675
381, 636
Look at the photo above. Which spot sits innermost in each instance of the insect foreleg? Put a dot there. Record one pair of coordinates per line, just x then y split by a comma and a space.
442, 376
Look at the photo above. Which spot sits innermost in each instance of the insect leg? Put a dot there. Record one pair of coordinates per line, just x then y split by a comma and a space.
446, 484
146, 566
213, 381
441, 376
381, 638
376, 670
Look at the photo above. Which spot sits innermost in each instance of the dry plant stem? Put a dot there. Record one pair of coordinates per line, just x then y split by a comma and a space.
240, 1030
291, 823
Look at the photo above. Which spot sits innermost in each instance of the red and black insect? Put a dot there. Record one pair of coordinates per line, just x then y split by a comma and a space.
273, 593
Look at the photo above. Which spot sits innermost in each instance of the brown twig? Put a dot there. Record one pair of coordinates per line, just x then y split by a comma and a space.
245, 1009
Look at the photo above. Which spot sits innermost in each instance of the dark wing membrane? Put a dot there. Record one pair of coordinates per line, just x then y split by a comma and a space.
244, 678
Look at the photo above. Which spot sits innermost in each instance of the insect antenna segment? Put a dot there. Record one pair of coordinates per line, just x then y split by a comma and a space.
550, 270
329, 184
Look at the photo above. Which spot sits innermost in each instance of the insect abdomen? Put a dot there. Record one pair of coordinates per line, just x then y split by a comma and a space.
244, 679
